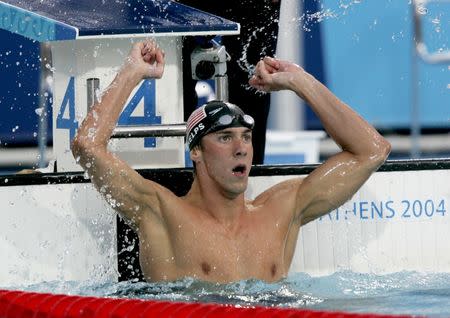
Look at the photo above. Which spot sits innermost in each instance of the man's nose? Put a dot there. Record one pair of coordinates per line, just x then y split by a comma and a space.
240, 148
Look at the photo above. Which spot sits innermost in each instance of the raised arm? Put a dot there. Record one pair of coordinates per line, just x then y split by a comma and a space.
363, 148
122, 186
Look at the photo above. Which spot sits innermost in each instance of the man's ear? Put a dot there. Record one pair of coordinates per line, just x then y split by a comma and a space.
196, 154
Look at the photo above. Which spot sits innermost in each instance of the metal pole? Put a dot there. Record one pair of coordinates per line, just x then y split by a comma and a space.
45, 92
92, 85
165, 130
415, 112
420, 45
221, 82
288, 113
420, 50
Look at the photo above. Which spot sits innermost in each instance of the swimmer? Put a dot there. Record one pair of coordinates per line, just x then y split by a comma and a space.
214, 233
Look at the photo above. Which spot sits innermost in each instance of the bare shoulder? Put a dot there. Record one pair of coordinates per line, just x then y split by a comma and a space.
283, 192
139, 200
159, 197
277, 204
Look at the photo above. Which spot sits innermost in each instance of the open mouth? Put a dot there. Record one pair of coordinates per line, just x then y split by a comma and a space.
239, 170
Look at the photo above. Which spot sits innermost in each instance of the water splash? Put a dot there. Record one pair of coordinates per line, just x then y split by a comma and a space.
396, 293
304, 22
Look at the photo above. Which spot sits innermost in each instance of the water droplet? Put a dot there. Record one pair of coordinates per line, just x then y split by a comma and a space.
91, 132
422, 10
49, 67
44, 244
436, 21
39, 111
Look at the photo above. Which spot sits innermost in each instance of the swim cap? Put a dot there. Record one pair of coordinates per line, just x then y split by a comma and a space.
213, 116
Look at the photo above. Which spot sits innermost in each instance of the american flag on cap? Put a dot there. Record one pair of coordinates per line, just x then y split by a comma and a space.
197, 116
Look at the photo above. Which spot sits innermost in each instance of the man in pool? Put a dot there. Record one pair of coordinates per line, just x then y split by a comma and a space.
213, 233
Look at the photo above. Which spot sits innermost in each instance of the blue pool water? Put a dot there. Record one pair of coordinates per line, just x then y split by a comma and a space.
398, 293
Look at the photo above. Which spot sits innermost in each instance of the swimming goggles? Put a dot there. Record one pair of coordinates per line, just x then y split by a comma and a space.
227, 120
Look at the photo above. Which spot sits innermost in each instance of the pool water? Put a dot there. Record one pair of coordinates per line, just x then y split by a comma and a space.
398, 293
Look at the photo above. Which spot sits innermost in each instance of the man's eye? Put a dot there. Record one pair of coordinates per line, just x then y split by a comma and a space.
224, 138
247, 138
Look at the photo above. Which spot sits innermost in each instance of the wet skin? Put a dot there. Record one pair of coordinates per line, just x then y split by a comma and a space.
214, 233
244, 239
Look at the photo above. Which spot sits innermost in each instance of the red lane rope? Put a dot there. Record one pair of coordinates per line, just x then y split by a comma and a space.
20, 304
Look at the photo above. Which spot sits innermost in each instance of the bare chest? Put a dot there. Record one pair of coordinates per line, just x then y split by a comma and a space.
211, 254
